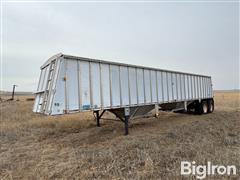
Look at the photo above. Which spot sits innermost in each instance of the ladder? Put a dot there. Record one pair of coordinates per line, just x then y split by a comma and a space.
48, 87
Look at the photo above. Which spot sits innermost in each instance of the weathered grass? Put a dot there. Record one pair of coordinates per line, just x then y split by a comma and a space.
34, 146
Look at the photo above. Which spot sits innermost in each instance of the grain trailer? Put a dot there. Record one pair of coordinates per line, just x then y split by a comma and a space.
70, 84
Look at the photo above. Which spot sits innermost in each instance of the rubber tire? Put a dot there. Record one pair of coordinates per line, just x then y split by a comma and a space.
204, 107
210, 106
198, 108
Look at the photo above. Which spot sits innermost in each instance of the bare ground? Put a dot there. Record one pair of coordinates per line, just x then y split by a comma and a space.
34, 146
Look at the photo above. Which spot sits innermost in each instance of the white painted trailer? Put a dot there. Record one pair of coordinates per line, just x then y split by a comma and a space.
71, 84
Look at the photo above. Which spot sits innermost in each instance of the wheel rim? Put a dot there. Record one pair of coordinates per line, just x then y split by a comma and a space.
205, 108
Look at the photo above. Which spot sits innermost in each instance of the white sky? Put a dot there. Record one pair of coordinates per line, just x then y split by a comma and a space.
192, 36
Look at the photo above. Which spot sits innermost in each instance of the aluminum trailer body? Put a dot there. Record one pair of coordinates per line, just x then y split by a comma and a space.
71, 84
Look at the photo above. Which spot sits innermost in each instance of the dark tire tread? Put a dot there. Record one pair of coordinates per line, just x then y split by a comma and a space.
210, 103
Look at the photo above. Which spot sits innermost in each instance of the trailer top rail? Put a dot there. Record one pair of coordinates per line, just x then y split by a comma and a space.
114, 63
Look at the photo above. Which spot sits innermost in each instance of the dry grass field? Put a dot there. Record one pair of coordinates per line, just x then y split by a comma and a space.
35, 146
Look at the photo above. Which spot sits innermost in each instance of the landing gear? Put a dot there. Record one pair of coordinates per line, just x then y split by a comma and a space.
98, 116
126, 116
98, 119
126, 124
122, 114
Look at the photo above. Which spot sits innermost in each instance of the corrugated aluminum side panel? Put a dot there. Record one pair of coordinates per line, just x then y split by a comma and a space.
196, 87
179, 93
170, 88
72, 85
147, 86
105, 83
84, 69
133, 86
193, 87
59, 105
124, 85
184, 88
95, 85
165, 87
207, 88
174, 86
153, 79
190, 87
140, 84
204, 88
115, 85
200, 86
159, 86
91, 85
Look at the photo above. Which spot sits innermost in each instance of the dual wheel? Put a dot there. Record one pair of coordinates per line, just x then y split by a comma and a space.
204, 107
